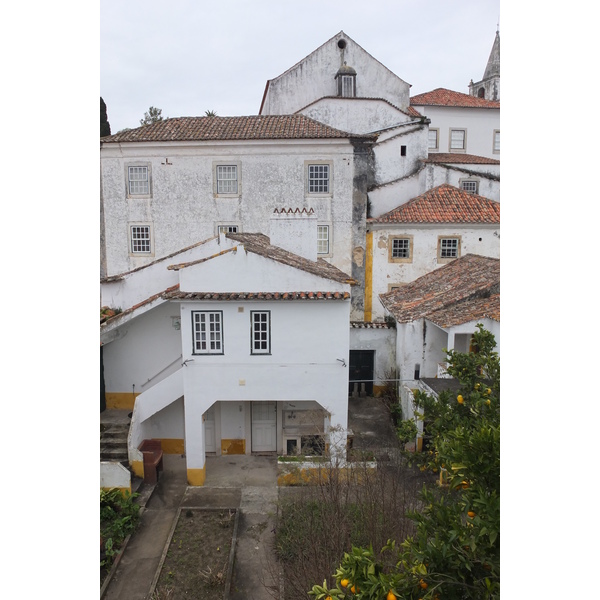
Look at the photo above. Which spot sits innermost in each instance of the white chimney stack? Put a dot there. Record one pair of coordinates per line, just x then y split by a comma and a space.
295, 230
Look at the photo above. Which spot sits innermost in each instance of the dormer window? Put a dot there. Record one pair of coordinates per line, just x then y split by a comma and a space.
346, 82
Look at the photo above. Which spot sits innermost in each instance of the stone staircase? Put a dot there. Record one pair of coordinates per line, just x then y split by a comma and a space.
113, 442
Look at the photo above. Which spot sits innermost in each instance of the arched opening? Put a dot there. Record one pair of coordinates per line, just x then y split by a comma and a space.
481, 93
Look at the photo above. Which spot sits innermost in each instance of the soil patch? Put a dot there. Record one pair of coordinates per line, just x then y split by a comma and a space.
197, 560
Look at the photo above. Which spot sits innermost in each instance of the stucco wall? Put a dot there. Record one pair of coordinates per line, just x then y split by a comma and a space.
183, 209
474, 239
480, 124
314, 77
383, 341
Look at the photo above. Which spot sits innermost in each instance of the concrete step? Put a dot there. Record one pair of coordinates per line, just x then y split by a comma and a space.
113, 454
113, 441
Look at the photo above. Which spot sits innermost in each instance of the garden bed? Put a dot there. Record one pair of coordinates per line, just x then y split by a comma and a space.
199, 559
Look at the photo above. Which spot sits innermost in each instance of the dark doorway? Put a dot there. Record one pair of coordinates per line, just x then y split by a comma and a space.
362, 370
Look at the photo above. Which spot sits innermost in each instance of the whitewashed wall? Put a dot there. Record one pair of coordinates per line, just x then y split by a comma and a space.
475, 239
383, 341
480, 124
314, 77
184, 211
487, 176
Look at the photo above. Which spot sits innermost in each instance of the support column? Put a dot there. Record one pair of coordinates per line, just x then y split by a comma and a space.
194, 441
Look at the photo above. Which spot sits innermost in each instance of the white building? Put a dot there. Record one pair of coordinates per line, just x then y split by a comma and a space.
427, 232
246, 352
171, 184
440, 311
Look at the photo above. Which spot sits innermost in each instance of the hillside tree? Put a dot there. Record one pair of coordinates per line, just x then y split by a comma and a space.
104, 124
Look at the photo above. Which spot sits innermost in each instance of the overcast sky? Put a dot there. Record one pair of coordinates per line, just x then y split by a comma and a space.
189, 56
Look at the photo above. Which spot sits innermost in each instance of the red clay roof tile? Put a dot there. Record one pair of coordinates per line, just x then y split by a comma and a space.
444, 204
445, 97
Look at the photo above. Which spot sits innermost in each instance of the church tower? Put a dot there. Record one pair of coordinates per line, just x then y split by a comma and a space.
489, 86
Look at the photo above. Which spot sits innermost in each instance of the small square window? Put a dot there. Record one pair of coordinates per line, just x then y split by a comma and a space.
449, 248
432, 140
318, 179
207, 332
322, 239
227, 229
470, 186
458, 139
227, 179
140, 239
138, 181
400, 249
261, 332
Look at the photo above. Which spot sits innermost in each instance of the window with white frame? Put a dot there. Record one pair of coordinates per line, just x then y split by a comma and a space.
458, 139
227, 229
140, 239
448, 247
347, 86
496, 141
227, 179
207, 331
318, 179
261, 331
433, 139
138, 180
322, 239
400, 248
470, 185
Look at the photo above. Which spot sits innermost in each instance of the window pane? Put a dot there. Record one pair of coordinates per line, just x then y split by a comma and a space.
433, 143
457, 139
469, 186
323, 239
449, 248
401, 248
138, 180
496, 141
207, 332
140, 239
260, 332
227, 179
318, 179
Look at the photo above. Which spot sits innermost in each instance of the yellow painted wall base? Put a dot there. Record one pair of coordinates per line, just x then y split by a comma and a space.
419, 444
120, 400
172, 446
233, 446
137, 466
125, 491
196, 476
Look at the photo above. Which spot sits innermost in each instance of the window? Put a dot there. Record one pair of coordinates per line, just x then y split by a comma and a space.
496, 141
458, 139
261, 331
138, 180
322, 239
227, 179
432, 142
400, 249
140, 239
448, 248
227, 229
318, 178
347, 84
470, 186
402, 150
207, 332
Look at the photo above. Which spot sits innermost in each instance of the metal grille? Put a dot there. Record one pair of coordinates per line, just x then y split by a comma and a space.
469, 186
318, 179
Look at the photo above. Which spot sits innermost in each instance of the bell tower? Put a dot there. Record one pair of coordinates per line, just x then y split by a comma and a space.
489, 86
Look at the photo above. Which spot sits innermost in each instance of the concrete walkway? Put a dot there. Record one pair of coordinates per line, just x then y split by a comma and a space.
245, 482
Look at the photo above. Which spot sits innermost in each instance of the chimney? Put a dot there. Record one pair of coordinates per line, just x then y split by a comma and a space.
295, 230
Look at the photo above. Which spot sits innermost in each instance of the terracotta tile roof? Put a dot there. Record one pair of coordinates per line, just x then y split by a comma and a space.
369, 325
444, 97
237, 296
467, 289
444, 204
460, 159
259, 243
230, 128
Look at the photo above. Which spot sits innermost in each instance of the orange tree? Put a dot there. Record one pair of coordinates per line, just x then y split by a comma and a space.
455, 551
